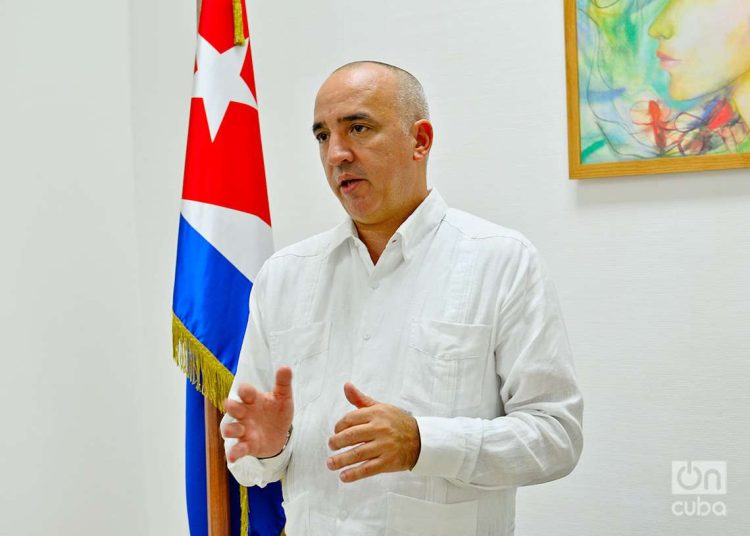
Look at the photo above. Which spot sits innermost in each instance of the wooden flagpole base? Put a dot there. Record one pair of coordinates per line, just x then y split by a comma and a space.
217, 484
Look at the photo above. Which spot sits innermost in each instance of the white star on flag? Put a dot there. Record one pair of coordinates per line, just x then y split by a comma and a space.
217, 81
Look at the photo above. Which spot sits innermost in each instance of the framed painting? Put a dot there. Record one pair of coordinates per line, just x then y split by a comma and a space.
657, 86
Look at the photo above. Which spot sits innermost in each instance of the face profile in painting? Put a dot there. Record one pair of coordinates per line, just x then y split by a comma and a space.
663, 78
704, 45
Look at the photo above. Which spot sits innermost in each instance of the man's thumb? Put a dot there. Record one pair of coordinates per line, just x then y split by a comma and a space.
357, 397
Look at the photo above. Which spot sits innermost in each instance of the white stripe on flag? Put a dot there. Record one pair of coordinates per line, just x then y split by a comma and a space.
244, 239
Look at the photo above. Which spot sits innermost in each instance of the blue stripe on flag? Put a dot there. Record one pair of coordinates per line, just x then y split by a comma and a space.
195, 463
266, 514
211, 296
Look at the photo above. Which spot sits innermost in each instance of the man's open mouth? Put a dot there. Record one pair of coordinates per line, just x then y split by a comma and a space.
348, 182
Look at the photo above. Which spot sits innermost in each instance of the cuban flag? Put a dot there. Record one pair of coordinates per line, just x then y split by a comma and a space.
224, 238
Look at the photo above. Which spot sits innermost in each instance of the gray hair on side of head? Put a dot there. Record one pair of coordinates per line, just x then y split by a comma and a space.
411, 97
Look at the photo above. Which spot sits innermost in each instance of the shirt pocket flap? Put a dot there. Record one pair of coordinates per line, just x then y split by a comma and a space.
299, 342
449, 340
409, 516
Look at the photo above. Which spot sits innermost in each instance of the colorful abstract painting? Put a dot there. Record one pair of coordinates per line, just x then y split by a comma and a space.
659, 81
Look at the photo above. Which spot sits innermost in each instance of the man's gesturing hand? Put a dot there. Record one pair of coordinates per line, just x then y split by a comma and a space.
263, 419
389, 438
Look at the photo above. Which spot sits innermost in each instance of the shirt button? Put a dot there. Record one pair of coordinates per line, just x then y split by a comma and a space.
343, 514
366, 336
374, 285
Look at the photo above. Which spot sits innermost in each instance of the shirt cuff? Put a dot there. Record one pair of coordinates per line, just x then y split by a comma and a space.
450, 446
251, 471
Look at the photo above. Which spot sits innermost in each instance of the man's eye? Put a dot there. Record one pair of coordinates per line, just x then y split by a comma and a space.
321, 137
359, 129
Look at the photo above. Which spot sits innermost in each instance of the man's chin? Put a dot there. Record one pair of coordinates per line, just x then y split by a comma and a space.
360, 210
363, 219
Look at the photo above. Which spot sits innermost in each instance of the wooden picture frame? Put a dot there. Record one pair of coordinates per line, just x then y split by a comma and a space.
630, 165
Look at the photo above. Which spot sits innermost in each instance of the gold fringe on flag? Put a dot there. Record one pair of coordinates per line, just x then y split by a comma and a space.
239, 28
212, 379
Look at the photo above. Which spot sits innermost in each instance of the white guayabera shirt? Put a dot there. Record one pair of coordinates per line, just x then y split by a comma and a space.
458, 324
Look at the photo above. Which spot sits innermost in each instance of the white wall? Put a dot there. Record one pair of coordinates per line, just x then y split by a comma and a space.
162, 38
653, 272
72, 449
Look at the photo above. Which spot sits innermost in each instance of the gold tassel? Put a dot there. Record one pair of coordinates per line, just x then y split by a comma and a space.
212, 379
244, 511
239, 28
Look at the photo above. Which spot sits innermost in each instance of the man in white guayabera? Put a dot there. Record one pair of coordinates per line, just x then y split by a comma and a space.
406, 371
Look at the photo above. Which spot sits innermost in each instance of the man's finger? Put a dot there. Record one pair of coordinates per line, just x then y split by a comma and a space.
247, 393
351, 436
237, 451
283, 387
357, 397
371, 467
234, 409
232, 429
362, 453
353, 418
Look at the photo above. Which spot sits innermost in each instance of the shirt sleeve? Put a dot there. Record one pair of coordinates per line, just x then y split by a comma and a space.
256, 368
538, 437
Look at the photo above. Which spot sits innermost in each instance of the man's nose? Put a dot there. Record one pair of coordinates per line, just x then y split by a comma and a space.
338, 151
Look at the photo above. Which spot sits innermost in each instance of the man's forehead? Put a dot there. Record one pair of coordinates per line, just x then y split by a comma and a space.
343, 110
354, 90
361, 77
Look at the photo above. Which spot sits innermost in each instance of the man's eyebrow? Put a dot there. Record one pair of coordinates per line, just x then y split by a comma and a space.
355, 117
359, 116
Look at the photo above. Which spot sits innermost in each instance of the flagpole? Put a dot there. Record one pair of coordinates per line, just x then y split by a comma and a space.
217, 484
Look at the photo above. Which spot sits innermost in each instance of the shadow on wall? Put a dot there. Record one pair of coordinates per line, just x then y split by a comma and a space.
664, 188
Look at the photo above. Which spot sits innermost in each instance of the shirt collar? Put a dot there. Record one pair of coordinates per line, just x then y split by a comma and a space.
424, 220
341, 233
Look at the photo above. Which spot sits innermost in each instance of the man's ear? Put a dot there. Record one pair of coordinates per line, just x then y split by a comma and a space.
423, 135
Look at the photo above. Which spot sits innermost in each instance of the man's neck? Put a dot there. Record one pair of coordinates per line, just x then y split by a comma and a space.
376, 236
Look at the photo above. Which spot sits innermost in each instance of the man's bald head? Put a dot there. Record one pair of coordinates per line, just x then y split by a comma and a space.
409, 92
370, 122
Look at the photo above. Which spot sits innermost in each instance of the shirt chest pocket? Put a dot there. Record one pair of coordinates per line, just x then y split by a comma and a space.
407, 516
445, 366
304, 348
